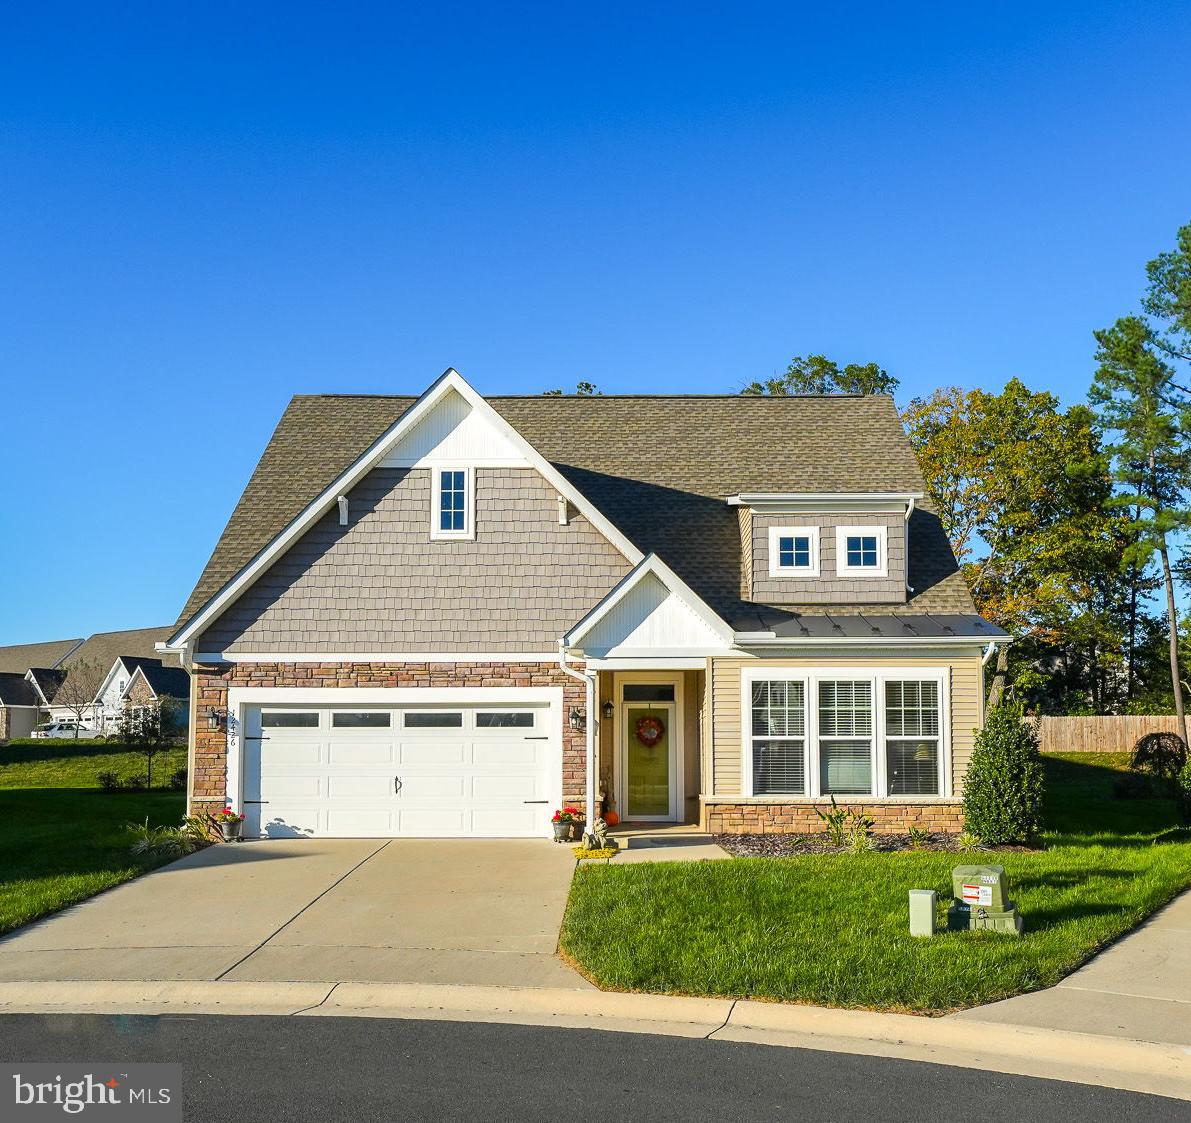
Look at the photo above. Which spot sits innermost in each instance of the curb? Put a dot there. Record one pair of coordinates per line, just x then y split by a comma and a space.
1139, 1066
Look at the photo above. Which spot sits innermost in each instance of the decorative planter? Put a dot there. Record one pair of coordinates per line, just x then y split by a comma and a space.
562, 831
230, 831
577, 829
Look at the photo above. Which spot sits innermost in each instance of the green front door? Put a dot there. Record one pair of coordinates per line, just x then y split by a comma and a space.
648, 779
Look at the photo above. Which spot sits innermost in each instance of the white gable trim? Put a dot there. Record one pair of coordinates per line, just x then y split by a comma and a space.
718, 634
450, 381
107, 681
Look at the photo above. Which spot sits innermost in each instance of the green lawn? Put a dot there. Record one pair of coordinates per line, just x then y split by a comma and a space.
61, 839
832, 929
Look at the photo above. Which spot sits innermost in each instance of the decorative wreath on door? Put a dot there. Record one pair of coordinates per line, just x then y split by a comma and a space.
649, 730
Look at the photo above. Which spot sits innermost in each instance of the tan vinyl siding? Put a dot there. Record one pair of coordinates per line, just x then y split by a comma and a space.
966, 700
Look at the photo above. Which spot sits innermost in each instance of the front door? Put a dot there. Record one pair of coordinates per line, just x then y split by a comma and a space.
650, 767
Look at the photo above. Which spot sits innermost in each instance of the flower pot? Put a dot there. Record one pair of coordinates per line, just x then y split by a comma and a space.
562, 831
230, 831
577, 829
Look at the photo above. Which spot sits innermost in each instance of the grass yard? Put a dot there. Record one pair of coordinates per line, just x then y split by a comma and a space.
61, 838
832, 929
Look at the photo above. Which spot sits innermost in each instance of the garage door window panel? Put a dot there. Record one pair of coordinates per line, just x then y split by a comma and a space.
290, 720
497, 719
434, 720
362, 720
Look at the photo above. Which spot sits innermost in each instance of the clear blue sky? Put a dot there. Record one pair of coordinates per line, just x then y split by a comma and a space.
203, 212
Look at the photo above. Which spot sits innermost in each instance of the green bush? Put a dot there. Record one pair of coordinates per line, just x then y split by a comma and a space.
1184, 782
1003, 790
177, 782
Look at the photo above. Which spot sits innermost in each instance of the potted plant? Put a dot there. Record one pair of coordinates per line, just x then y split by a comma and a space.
229, 824
568, 824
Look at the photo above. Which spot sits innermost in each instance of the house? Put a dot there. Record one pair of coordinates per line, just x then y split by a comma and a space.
152, 684
86, 682
18, 706
447, 615
109, 700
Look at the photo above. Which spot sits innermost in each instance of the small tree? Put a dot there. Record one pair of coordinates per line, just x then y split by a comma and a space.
150, 728
1003, 791
78, 689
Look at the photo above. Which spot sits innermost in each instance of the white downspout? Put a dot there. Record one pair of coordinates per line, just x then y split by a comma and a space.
989, 652
589, 683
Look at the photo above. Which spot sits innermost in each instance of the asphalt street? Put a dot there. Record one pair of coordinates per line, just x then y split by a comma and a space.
332, 1069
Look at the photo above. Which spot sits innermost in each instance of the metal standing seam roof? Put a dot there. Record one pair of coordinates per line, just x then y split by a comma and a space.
659, 467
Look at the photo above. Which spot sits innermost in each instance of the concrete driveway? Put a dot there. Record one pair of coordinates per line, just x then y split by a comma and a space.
329, 910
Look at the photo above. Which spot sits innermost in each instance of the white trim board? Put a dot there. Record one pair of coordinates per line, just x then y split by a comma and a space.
710, 626
451, 381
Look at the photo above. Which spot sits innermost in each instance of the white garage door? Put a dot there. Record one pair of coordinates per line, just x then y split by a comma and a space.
359, 771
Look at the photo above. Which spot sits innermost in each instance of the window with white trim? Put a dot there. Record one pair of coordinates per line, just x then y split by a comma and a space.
912, 737
779, 737
846, 738
860, 733
860, 551
451, 503
793, 551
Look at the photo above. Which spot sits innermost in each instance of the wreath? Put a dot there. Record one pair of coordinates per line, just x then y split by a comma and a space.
649, 730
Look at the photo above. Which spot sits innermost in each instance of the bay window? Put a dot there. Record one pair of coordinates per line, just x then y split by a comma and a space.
822, 733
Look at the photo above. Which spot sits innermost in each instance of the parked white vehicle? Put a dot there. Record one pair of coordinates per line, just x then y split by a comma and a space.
63, 729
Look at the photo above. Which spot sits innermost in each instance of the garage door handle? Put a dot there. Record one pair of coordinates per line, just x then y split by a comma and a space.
537, 738
535, 801
396, 784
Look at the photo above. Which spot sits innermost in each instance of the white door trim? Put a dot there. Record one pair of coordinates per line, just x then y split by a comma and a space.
241, 698
677, 744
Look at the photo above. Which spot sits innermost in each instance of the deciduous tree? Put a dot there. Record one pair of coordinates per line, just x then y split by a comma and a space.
817, 374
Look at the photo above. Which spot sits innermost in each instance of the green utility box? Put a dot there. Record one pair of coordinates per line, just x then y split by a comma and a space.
981, 901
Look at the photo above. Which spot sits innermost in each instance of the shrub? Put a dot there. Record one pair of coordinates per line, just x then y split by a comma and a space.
177, 782
859, 830
1003, 791
109, 781
166, 842
835, 822
1160, 754
919, 837
134, 784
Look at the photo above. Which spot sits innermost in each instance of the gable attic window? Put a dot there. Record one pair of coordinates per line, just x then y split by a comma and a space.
860, 551
452, 503
793, 551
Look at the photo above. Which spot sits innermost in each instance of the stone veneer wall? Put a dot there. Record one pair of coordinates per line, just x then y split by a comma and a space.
209, 751
800, 818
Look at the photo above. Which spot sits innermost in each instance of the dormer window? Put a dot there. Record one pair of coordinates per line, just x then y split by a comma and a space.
794, 551
452, 507
860, 551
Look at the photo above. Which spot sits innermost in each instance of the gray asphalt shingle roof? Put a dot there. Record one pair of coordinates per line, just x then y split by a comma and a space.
18, 658
16, 690
658, 467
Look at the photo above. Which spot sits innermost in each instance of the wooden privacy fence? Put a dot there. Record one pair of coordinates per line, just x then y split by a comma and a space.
1100, 734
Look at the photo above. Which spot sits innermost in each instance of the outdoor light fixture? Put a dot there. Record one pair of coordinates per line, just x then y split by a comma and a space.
577, 723
216, 718
607, 709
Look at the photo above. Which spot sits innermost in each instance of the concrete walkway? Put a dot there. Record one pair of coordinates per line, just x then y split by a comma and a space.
1140, 988
335, 910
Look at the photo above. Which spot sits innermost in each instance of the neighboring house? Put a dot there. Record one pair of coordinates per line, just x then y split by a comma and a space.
109, 701
118, 653
152, 683
446, 616
18, 706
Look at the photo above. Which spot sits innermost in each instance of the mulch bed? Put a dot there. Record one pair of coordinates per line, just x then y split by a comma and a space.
791, 845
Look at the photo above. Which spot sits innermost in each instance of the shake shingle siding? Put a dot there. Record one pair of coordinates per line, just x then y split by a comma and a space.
382, 584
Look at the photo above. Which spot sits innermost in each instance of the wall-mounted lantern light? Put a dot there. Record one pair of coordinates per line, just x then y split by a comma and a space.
607, 709
577, 722
216, 718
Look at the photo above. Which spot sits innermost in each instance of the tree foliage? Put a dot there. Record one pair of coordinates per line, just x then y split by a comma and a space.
1140, 392
582, 390
1004, 786
1020, 486
817, 374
